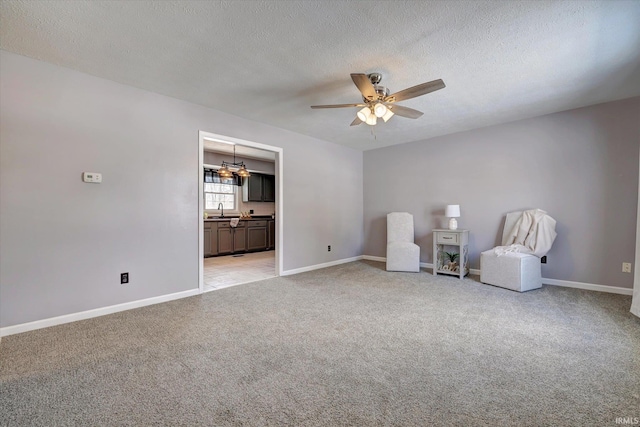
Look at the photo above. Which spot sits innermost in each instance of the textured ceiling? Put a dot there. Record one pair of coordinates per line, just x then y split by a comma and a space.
269, 61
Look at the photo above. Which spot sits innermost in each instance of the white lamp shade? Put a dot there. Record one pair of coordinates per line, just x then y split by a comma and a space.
452, 211
380, 109
364, 114
387, 115
371, 120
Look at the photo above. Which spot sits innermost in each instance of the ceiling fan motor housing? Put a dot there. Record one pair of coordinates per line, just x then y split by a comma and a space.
381, 91
374, 78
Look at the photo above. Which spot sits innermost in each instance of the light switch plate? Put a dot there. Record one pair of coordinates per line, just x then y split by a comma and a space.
92, 177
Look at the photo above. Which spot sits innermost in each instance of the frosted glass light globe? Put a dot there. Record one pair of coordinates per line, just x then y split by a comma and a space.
380, 109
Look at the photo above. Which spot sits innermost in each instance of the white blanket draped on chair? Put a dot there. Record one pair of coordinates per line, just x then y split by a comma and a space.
533, 233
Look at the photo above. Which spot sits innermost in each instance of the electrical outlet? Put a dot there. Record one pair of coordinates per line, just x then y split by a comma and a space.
329, 248
124, 278
626, 267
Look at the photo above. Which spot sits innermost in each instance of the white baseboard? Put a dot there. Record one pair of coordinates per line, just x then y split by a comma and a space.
73, 317
319, 266
422, 264
552, 282
68, 318
588, 286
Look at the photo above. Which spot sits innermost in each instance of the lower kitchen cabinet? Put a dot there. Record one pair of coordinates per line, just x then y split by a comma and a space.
271, 244
252, 235
257, 235
239, 239
207, 240
231, 239
210, 239
225, 241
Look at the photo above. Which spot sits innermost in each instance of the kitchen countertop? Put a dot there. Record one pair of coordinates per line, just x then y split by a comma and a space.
227, 218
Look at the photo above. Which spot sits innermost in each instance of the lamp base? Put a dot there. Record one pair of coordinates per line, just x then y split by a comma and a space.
453, 224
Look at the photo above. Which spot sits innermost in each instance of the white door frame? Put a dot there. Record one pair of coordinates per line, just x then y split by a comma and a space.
279, 166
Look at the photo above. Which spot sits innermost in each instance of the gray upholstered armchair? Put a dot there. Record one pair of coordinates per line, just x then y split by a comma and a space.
402, 253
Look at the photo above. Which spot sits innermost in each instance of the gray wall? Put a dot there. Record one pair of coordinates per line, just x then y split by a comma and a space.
581, 166
64, 243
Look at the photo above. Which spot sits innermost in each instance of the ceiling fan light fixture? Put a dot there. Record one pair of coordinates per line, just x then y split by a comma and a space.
364, 114
387, 115
380, 109
371, 120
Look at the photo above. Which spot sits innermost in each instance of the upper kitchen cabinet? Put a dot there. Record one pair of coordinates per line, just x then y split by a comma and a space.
259, 188
268, 188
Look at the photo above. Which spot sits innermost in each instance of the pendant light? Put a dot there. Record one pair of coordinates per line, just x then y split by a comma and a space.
243, 172
225, 171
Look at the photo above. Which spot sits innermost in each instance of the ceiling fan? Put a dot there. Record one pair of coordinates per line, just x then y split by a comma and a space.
377, 103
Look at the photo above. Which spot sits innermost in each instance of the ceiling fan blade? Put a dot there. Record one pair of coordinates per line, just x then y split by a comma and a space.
338, 105
407, 112
364, 85
414, 91
356, 121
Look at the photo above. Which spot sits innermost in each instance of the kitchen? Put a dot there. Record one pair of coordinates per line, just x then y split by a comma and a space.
239, 201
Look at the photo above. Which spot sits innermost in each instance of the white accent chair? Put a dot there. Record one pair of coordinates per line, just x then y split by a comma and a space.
402, 253
516, 271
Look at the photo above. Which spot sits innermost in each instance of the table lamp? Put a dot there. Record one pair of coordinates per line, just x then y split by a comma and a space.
452, 212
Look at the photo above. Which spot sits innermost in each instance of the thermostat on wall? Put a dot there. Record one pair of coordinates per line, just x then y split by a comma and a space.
93, 177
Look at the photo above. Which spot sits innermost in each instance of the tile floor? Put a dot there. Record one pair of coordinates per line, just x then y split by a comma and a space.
223, 271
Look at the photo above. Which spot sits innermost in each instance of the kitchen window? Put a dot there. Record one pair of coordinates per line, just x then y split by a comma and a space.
216, 193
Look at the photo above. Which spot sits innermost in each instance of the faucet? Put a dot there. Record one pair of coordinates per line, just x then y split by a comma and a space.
221, 208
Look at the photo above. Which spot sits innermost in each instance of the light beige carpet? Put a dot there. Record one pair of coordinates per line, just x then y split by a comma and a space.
347, 345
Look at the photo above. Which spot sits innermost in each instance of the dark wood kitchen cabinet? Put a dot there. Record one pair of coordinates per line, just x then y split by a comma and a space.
251, 235
252, 188
210, 238
257, 235
240, 238
271, 229
207, 239
225, 240
259, 188
231, 239
268, 188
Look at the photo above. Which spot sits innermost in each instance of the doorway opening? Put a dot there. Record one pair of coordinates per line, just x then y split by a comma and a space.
235, 245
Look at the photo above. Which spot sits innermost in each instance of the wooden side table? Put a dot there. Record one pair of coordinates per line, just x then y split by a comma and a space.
446, 244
